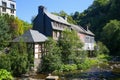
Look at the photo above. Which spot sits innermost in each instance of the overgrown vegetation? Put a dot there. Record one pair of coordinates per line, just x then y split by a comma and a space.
103, 19
17, 60
13, 57
5, 75
66, 54
69, 43
52, 59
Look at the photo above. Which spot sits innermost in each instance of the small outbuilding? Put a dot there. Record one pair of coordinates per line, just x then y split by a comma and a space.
36, 42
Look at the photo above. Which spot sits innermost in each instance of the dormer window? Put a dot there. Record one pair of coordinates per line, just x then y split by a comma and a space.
4, 5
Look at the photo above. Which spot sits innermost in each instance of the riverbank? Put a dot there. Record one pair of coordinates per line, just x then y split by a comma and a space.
101, 71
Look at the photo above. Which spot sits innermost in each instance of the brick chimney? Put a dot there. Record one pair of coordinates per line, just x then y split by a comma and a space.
87, 28
41, 9
65, 17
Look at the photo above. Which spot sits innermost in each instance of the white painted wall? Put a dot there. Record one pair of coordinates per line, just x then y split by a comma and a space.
36, 51
89, 44
8, 10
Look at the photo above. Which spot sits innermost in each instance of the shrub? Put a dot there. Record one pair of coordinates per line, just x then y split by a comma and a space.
69, 67
51, 63
101, 49
52, 59
87, 64
19, 59
5, 75
5, 62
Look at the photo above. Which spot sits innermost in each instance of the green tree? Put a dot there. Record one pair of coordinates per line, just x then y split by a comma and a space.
98, 15
5, 62
64, 14
98, 3
101, 49
52, 59
5, 36
19, 26
26, 25
111, 38
69, 43
16, 26
30, 53
19, 59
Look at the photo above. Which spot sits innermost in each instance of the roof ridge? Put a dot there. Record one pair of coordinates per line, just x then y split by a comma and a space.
56, 18
30, 33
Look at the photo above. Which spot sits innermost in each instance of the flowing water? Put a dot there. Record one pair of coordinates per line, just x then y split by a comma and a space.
110, 71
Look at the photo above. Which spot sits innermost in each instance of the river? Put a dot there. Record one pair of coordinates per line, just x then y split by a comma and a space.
110, 71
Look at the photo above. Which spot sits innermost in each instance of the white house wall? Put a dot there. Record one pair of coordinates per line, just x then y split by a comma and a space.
88, 46
37, 56
89, 43
8, 9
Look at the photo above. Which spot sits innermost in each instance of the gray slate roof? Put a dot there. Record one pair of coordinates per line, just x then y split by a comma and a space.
81, 30
56, 18
90, 33
78, 28
31, 36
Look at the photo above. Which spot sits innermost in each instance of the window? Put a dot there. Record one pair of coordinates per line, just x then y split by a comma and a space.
12, 8
92, 39
55, 35
4, 5
55, 24
87, 39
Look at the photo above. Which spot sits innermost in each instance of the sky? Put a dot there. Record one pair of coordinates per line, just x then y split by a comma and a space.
26, 9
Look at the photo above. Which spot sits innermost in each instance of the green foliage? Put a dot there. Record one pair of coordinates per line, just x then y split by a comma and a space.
5, 62
26, 25
64, 14
81, 55
19, 59
51, 63
112, 37
102, 49
19, 26
98, 16
69, 67
30, 55
87, 64
5, 36
64, 53
16, 26
52, 59
69, 44
100, 2
5, 75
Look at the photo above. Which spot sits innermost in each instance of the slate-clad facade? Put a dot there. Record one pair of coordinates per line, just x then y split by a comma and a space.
49, 24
